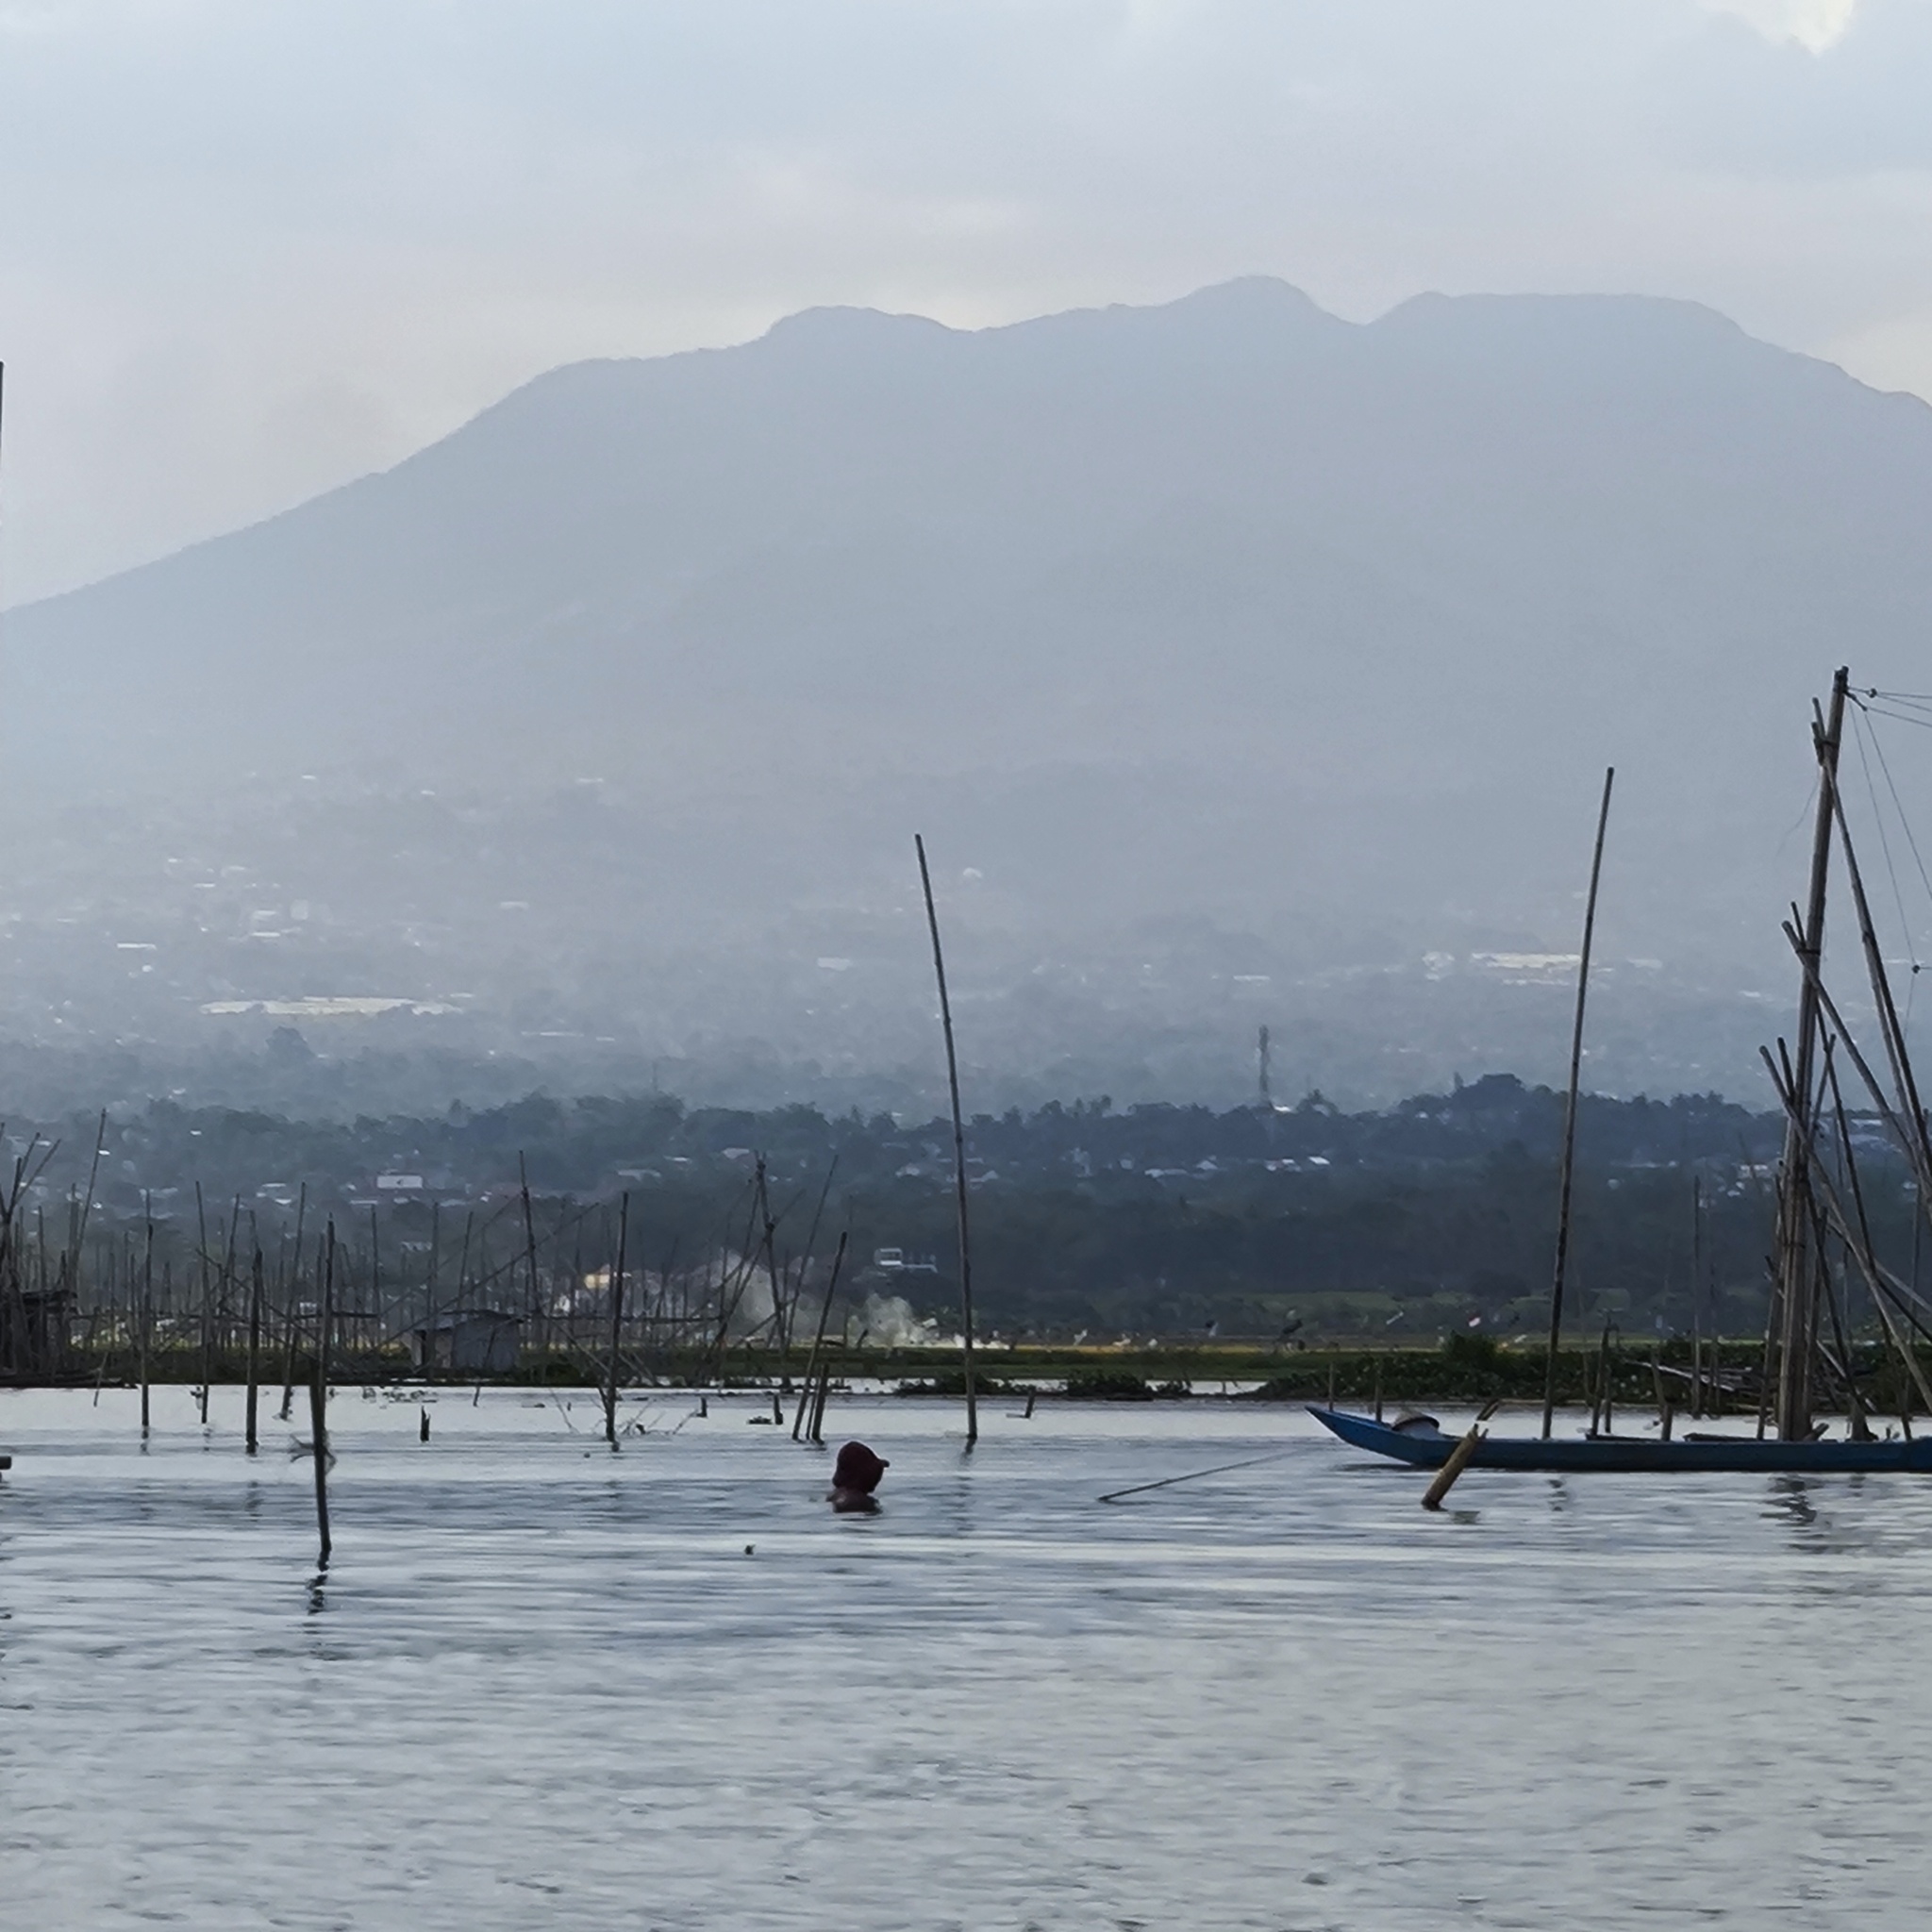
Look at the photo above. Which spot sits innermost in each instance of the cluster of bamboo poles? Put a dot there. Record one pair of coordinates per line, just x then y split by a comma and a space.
301, 1306
1822, 1247
1825, 1249
142, 1298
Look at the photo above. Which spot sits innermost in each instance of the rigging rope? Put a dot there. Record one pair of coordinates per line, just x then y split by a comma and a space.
1862, 732
1878, 745
1908, 708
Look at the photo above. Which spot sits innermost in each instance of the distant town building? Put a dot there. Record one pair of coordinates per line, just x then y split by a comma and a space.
894, 1261
469, 1342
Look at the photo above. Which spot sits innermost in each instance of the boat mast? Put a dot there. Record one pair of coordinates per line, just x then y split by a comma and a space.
1797, 1264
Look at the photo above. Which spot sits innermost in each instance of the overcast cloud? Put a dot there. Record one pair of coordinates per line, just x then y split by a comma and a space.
251, 248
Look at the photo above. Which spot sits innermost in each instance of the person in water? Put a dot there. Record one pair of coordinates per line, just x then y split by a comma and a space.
855, 1477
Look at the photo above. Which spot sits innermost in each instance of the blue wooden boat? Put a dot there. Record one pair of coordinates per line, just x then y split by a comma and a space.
1423, 1444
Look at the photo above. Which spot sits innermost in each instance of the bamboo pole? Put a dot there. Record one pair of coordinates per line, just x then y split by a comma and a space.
818, 1407
147, 1312
1600, 1415
375, 1301
811, 1237
318, 1398
539, 1327
253, 1399
225, 1285
616, 1321
294, 1289
1458, 1459
818, 1340
1849, 1169
1696, 1296
768, 1247
93, 1173
1796, 1279
206, 1307
1879, 1279
1569, 1160
938, 968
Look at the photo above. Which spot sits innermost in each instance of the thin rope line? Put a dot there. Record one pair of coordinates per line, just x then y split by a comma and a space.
1861, 731
1905, 823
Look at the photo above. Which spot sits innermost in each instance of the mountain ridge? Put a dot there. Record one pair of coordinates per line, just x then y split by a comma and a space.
1391, 591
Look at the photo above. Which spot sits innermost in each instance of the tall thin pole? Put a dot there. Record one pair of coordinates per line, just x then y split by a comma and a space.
1569, 1163
818, 1340
1696, 1296
318, 1395
253, 1350
147, 1312
1797, 1286
295, 1288
938, 968
538, 1329
616, 1321
208, 1313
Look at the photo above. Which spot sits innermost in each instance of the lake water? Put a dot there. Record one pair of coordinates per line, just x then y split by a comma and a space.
547, 1685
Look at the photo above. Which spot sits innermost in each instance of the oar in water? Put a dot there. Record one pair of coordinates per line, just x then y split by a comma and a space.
1194, 1475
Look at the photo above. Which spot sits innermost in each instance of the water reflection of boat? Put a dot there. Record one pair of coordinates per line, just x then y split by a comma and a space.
1429, 1448
1823, 1251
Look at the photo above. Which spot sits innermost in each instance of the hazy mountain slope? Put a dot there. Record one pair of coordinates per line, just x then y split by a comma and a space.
1228, 607
1232, 524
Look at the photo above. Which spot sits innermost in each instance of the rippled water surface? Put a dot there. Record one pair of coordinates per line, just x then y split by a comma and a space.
546, 1686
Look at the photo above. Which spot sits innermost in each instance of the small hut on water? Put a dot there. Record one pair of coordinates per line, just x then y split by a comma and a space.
468, 1342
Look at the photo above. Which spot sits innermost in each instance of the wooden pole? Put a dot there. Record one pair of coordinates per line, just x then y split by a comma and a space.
294, 1289
811, 1238
1854, 1406
1797, 1265
1696, 1296
225, 1285
1569, 1159
539, 1327
769, 1250
87, 1206
253, 1350
147, 1312
818, 1406
318, 1396
616, 1321
1599, 1401
818, 1341
938, 968
208, 1313
1458, 1459
1878, 1279
375, 1301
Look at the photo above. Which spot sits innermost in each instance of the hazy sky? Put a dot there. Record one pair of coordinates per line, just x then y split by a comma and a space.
249, 248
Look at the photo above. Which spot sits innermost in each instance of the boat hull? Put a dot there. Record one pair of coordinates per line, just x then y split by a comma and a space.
1429, 1450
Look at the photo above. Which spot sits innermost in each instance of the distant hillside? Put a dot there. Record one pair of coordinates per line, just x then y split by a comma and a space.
1226, 608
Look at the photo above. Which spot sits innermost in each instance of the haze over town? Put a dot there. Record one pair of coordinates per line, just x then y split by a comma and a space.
1240, 569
